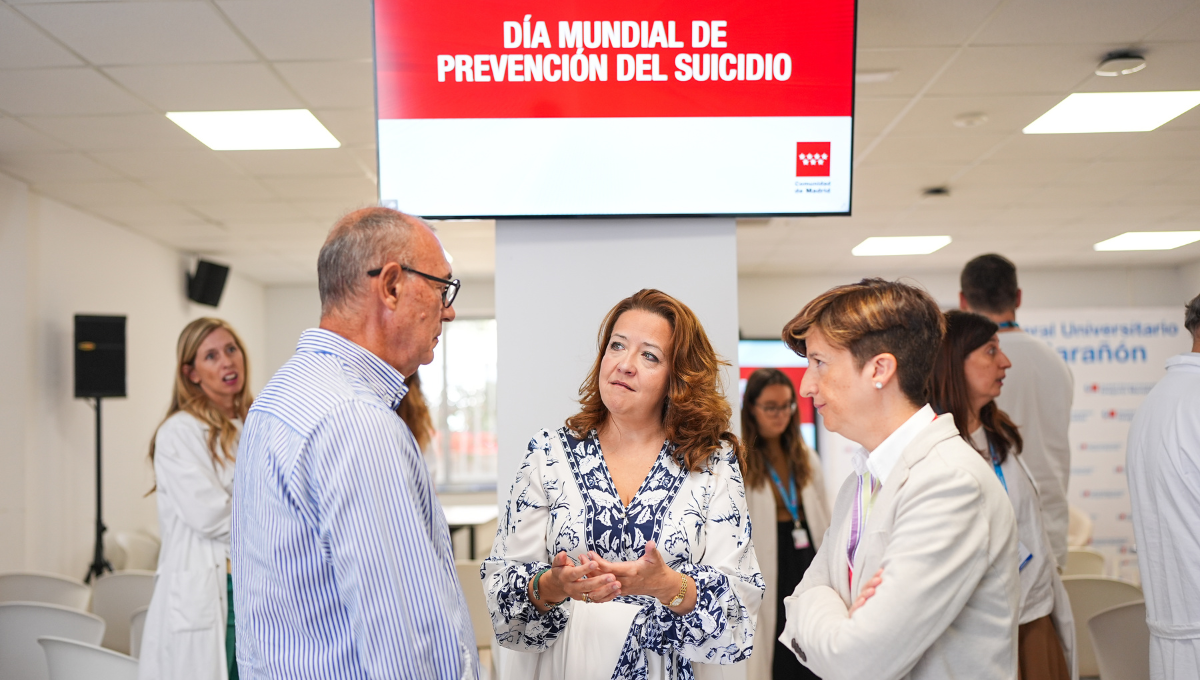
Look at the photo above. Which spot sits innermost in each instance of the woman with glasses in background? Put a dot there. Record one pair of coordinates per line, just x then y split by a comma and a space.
785, 494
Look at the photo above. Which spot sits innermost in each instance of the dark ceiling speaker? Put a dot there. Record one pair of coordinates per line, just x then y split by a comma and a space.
99, 356
207, 284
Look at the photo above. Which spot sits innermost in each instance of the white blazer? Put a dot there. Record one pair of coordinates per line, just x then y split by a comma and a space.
942, 529
761, 504
184, 637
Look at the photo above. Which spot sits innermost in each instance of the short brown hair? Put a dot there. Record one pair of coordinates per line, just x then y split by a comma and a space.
695, 414
989, 283
872, 317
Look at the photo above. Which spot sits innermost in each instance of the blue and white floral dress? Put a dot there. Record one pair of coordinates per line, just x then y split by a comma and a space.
564, 500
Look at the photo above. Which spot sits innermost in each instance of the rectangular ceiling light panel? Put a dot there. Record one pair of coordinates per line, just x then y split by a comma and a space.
900, 245
1149, 240
256, 130
1113, 112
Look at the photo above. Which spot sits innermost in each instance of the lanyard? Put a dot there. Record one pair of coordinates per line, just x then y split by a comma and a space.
790, 497
996, 466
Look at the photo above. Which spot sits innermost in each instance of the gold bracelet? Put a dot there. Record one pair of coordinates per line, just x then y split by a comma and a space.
678, 600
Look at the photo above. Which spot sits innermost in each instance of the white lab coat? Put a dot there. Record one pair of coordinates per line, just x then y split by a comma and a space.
184, 637
1163, 465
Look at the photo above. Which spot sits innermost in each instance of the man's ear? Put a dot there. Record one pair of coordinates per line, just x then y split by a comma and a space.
963, 305
1018, 299
390, 283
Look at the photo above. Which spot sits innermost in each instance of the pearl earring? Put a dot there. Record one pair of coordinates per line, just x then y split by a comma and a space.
878, 385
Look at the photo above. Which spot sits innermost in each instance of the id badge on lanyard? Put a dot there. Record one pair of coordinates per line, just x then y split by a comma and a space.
799, 536
791, 498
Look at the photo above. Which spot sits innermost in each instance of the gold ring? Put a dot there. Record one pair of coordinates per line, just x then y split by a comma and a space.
587, 597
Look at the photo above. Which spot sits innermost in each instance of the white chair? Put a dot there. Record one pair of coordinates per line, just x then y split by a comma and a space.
481, 619
1079, 528
1084, 562
22, 623
141, 550
1121, 639
137, 623
1089, 596
115, 597
30, 586
70, 660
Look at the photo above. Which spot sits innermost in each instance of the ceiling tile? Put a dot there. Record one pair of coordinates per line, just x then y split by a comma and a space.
305, 29
1037, 173
207, 87
920, 23
1058, 147
1041, 69
871, 116
311, 162
931, 149
126, 33
352, 127
263, 212
51, 167
96, 133
93, 194
935, 115
63, 92
328, 212
1035, 22
148, 214
913, 67
169, 163
1159, 144
17, 137
24, 46
210, 189
341, 84
352, 190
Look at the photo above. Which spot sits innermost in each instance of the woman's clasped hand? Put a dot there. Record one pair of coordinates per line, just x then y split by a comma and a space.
598, 580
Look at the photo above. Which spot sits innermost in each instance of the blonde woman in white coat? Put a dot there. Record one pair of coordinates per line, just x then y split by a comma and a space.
967, 377
189, 627
789, 512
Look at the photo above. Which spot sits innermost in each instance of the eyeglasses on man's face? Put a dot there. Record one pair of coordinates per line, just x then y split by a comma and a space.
448, 293
776, 409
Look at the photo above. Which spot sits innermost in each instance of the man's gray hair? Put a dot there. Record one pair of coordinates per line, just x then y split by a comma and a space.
1191, 316
362, 240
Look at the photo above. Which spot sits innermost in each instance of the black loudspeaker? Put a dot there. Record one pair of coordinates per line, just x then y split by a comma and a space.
99, 356
206, 285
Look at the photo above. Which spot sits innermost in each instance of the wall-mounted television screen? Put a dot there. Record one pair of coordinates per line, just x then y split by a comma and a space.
547, 109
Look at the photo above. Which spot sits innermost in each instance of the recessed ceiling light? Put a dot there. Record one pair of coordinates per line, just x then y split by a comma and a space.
256, 130
900, 245
1149, 240
1113, 112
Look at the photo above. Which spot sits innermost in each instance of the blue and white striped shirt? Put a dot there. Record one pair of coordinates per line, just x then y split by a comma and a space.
342, 561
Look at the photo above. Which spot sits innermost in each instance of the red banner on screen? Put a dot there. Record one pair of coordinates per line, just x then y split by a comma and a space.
671, 59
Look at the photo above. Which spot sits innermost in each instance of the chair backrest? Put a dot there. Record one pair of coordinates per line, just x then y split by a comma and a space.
70, 660
22, 623
1089, 596
29, 586
115, 597
1079, 527
141, 550
1121, 639
472, 586
137, 624
1084, 562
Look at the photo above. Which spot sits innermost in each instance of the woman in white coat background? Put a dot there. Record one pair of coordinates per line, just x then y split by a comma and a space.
189, 627
789, 513
967, 377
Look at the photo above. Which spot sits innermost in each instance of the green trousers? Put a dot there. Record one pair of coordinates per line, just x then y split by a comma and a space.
230, 637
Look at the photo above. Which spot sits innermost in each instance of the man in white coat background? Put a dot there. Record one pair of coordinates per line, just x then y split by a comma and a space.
1163, 466
1037, 391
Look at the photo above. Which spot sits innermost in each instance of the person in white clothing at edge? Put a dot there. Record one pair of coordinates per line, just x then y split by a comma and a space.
189, 627
1037, 393
917, 575
1162, 462
785, 494
967, 377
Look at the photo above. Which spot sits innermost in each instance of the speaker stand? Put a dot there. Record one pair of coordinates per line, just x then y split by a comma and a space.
99, 563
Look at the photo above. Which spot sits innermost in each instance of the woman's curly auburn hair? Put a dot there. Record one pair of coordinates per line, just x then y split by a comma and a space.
696, 415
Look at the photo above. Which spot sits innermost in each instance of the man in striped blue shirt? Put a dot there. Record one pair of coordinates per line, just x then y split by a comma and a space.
342, 561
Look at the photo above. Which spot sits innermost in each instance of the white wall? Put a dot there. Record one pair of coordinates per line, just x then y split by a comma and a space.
555, 281
57, 262
766, 303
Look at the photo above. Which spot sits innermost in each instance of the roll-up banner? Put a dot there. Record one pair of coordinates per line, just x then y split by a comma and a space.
550, 109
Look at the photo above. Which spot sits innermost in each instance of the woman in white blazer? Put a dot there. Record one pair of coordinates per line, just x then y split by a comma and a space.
917, 575
785, 494
189, 627
967, 378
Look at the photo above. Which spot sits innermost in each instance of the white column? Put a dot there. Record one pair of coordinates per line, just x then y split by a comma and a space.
555, 281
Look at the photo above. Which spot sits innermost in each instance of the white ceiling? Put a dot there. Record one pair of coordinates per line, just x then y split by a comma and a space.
84, 86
